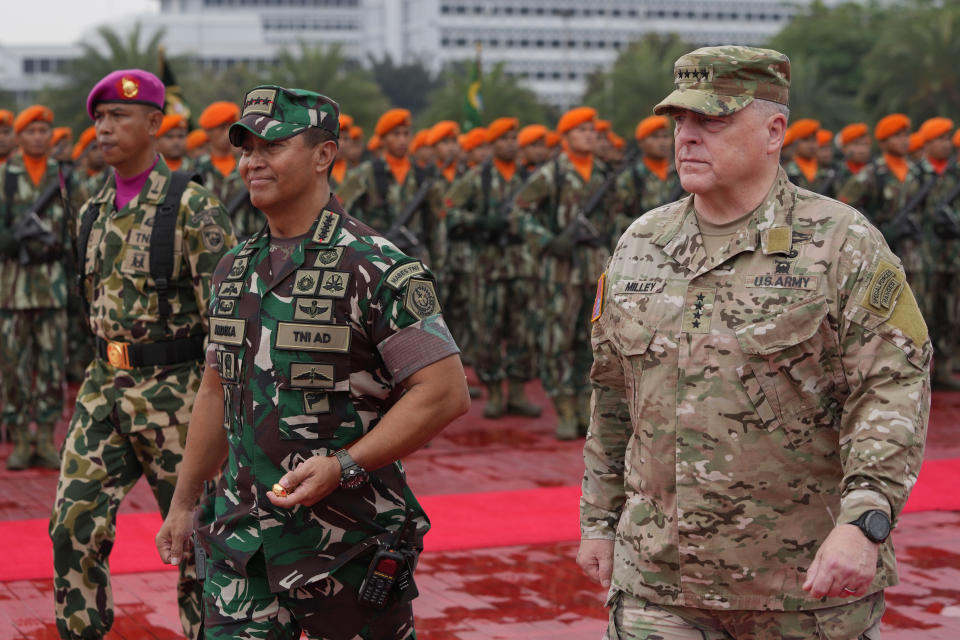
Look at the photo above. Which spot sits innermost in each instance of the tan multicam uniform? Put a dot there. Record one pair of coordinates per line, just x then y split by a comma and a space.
746, 403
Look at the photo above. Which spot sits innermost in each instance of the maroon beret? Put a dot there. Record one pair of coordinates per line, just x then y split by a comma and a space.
134, 86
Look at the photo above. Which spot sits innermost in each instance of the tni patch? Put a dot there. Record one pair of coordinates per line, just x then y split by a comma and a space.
421, 300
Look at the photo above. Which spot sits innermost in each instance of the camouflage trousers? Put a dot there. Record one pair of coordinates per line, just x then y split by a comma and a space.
240, 606
32, 357
505, 329
459, 304
99, 467
565, 353
633, 618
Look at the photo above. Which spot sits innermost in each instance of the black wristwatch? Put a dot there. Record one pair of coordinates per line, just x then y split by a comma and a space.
875, 525
352, 475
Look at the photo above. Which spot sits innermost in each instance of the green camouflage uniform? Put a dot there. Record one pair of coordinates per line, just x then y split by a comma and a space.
246, 219
310, 358
33, 301
460, 280
653, 192
747, 402
361, 194
542, 211
504, 303
131, 422
823, 178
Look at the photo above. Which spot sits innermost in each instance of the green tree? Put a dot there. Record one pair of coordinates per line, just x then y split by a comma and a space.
99, 58
911, 67
201, 86
405, 85
324, 69
503, 96
641, 76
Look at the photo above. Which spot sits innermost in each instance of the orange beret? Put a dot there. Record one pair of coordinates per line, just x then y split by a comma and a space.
603, 125
891, 124
916, 142
356, 133
789, 137
35, 113
373, 143
196, 138
824, 136
441, 130
6, 118
345, 122
61, 133
853, 131
501, 126
804, 127
934, 128
219, 113
575, 118
473, 138
956, 139
530, 134
553, 139
391, 120
170, 121
615, 140
88, 136
419, 140
649, 125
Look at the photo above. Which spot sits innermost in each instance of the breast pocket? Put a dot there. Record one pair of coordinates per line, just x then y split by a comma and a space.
314, 395
783, 362
632, 343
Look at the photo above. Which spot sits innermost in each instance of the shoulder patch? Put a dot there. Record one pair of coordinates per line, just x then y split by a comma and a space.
598, 300
884, 288
213, 238
399, 274
421, 299
907, 318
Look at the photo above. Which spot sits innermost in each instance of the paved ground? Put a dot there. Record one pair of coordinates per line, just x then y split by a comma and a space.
530, 592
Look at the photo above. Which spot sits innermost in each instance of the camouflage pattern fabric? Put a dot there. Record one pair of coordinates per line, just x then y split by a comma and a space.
639, 190
799, 178
247, 219
747, 401
100, 465
540, 214
718, 81
273, 112
458, 280
124, 305
360, 196
632, 618
306, 359
32, 349
242, 606
503, 305
942, 254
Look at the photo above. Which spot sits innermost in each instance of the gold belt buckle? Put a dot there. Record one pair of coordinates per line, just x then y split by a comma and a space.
118, 355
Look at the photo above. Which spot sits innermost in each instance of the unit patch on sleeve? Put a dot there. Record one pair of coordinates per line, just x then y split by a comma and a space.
227, 330
212, 236
884, 288
421, 300
399, 274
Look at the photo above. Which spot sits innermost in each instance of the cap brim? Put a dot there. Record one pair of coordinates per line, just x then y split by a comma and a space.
263, 127
705, 102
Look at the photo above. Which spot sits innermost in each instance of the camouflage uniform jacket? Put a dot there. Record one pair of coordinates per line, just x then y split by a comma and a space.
878, 194
545, 207
308, 359
745, 402
942, 250
124, 305
246, 219
42, 285
360, 195
501, 255
639, 190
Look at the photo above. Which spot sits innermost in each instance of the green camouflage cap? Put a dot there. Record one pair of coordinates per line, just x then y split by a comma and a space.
718, 81
274, 113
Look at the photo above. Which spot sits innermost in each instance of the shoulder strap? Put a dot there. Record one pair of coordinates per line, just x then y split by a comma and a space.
163, 238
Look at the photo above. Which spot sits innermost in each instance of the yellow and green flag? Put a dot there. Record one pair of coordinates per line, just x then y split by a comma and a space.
473, 105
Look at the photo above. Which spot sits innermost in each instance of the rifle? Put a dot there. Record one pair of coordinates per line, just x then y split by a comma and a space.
398, 233
580, 228
902, 226
945, 224
826, 186
29, 226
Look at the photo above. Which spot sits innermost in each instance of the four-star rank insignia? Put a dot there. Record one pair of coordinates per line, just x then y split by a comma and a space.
326, 227
421, 299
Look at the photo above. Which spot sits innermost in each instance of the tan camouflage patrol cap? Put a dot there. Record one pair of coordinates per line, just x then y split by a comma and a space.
719, 81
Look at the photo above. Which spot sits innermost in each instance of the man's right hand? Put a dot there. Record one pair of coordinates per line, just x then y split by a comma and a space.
595, 557
174, 535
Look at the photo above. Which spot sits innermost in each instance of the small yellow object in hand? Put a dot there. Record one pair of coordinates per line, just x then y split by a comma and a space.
279, 491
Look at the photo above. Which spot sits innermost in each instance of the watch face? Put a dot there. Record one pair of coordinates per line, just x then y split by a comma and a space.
877, 526
354, 478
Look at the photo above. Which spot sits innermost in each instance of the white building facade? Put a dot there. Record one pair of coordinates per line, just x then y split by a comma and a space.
550, 45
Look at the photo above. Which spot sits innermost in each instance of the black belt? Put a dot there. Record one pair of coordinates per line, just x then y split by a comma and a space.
129, 355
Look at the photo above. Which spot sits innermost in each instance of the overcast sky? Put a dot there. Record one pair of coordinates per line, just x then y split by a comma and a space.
62, 21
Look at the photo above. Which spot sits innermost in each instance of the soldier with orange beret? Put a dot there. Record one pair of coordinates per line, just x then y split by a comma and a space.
172, 142
532, 143
61, 143
804, 169
443, 139
571, 253
340, 165
33, 292
379, 190
855, 143
422, 153
353, 147
475, 146
825, 150
8, 141
603, 149
554, 145
198, 144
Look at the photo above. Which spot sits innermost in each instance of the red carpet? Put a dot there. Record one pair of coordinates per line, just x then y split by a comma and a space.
460, 521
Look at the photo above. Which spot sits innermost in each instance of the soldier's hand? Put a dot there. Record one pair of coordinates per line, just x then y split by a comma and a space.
595, 557
312, 481
844, 565
174, 535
